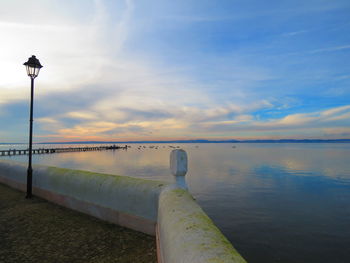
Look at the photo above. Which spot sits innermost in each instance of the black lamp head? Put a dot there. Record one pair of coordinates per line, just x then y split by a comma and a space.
33, 67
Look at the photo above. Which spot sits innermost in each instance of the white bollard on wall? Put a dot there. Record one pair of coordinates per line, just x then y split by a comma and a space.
178, 167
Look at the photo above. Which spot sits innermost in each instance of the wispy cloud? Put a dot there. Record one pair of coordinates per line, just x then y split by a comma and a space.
182, 122
316, 119
125, 69
85, 115
330, 49
315, 122
294, 33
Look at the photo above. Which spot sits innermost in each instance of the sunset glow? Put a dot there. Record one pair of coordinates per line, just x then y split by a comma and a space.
162, 70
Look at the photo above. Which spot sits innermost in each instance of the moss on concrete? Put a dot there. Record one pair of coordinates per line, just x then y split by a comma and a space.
38, 231
92, 175
125, 194
189, 232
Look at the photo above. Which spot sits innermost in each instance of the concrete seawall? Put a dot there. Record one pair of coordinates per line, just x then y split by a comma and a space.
184, 232
122, 200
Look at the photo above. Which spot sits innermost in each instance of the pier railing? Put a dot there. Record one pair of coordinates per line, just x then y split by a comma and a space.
11, 152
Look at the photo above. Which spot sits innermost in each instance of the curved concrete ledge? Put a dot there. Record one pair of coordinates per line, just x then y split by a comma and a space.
127, 201
186, 234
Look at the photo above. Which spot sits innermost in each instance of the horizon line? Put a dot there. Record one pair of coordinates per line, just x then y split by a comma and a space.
192, 141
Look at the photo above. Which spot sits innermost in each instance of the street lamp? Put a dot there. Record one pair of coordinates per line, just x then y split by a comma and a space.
33, 67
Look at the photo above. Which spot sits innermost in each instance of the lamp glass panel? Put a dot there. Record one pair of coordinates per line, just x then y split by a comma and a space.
28, 72
37, 71
32, 71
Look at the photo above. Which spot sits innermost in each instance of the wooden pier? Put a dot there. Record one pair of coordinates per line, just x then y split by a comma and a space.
11, 152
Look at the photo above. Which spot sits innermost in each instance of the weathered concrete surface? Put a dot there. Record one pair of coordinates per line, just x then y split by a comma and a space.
38, 231
186, 234
178, 162
178, 167
123, 200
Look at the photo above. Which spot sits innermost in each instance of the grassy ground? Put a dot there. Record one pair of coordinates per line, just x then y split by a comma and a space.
35, 230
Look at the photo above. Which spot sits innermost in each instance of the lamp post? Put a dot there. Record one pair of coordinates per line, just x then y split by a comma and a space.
33, 67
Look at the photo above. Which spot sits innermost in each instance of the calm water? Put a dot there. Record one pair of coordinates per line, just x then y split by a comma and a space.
274, 202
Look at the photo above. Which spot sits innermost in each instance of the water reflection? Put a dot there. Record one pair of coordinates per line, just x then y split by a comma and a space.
275, 202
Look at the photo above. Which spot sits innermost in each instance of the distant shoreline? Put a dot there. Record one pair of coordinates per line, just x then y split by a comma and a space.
199, 141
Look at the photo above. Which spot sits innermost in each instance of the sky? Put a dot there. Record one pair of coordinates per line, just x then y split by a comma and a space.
124, 70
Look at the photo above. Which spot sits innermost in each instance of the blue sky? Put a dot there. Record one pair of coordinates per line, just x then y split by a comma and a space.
145, 70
